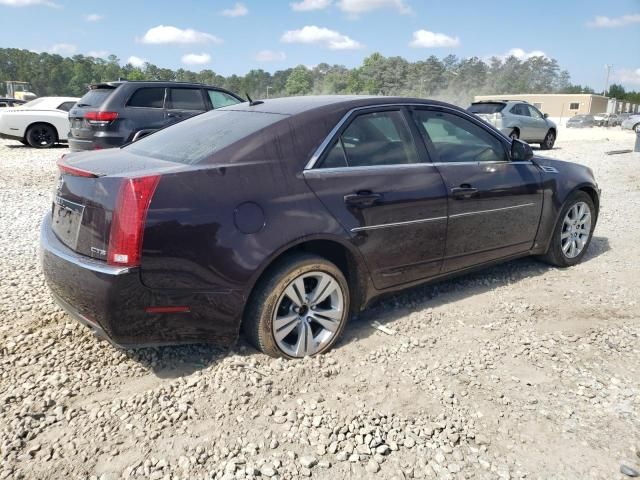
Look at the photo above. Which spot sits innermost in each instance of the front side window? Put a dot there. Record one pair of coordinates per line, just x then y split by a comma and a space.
533, 112
152, 97
373, 139
187, 99
456, 139
221, 99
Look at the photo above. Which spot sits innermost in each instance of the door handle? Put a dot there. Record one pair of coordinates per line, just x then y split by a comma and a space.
173, 115
463, 191
362, 199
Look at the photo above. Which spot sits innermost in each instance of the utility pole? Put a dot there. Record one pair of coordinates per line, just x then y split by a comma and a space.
268, 87
606, 83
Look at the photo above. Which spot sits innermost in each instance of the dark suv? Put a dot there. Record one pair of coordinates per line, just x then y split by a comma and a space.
113, 113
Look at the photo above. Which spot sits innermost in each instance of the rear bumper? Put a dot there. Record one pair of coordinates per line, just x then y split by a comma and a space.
112, 301
95, 143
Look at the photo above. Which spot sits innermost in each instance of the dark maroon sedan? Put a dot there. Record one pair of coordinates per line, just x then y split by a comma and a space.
284, 216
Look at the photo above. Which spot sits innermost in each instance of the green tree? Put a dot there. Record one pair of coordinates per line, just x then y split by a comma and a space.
299, 81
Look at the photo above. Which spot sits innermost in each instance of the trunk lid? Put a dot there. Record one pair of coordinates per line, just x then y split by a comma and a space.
86, 195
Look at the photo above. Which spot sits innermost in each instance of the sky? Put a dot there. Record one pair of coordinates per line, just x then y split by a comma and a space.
234, 37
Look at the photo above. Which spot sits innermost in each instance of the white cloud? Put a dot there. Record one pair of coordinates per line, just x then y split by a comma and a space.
270, 56
93, 17
308, 5
426, 39
28, 3
356, 7
98, 53
520, 54
196, 58
63, 49
238, 10
136, 61
170, 34
330, 39
627, 76
613, 22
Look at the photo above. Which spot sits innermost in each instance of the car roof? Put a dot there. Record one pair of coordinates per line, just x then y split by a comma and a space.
500, 101
117, 83
298, 105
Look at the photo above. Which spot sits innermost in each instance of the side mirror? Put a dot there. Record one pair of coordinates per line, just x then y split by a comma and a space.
545, 115
520, 151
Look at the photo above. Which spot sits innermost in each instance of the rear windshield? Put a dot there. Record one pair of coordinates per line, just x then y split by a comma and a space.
486, 107
195, 139
95, 97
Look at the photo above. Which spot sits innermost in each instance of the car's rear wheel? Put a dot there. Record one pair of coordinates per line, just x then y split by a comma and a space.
572, 234
515, 134
299, 309
41, 135
636, 128
549, 140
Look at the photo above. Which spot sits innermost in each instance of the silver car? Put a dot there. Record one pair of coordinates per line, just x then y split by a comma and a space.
518, 119
632, 123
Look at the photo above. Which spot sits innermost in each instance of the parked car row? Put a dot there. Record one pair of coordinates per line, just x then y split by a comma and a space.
284, 217
109, 114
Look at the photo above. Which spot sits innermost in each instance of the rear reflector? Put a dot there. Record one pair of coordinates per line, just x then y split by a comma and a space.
100, 118
168, 309
127, 224
77, 172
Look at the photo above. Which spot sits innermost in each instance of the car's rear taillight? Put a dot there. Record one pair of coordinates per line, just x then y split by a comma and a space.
77, 172
127, 224
100, 118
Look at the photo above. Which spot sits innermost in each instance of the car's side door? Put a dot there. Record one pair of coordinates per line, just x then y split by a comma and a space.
494, 204
145, 109
377, 181
524, 119
183, 103
538, 123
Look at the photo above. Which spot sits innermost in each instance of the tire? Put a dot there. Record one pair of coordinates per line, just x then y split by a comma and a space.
515, 134
24, 142
41, 135
271, 307
549, 140
636, 128
556, 255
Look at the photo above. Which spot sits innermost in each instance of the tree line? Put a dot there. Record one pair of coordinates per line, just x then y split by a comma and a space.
450, 78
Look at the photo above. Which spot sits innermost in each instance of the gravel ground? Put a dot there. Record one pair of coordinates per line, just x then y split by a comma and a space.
519, 371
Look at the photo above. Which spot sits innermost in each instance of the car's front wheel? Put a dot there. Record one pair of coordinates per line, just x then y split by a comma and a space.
299, 309
572, 234
41, 135
549, 140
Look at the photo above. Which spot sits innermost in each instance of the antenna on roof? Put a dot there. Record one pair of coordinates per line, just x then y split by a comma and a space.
251, 102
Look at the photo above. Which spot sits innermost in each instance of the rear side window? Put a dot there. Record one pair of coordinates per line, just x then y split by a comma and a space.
197, 138
486, 107
520, 109
66, 106
221, 99
152, 97
95, 97
373, 139
186, 99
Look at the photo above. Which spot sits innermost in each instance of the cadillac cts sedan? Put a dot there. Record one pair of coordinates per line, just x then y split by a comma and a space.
283, 217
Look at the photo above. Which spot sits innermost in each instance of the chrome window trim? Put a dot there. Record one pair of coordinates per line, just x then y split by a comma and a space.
491, 210
397, 224
325, 143
364, 168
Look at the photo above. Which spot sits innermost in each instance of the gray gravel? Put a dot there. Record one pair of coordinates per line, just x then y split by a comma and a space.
520, 371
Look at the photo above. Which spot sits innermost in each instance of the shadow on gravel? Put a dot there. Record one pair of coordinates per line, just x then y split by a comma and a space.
27, 147
431, 295
183, 360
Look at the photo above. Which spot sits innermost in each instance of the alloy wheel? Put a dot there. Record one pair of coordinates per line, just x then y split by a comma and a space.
308, 314
575, 230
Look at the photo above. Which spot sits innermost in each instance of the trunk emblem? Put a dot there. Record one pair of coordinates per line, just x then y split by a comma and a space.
98, 251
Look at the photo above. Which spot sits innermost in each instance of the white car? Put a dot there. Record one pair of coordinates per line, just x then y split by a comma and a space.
40, 123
